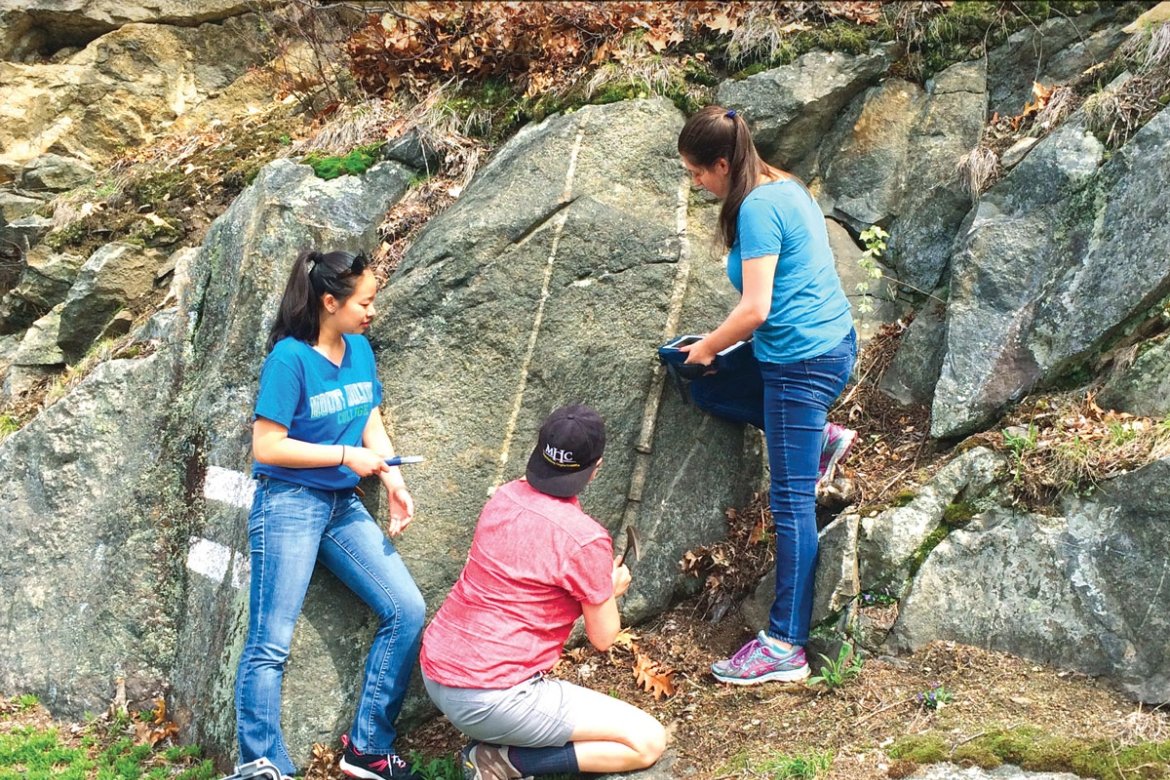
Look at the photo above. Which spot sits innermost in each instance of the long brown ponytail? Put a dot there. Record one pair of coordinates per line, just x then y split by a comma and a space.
313, 274
716, 132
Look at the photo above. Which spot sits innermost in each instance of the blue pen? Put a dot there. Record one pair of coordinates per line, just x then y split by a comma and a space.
400, 460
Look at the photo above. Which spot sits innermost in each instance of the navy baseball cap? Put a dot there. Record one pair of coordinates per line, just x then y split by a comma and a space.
571, 441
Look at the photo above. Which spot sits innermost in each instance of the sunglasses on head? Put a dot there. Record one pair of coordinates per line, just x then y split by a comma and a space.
356, 266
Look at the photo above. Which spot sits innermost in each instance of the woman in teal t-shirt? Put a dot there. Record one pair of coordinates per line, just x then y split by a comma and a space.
317, 431
792, 305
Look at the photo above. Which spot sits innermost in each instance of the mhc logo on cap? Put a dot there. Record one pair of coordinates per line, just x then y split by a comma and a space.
571, 442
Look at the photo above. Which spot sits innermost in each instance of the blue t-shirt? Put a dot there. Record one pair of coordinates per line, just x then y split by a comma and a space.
810, 313
318, 402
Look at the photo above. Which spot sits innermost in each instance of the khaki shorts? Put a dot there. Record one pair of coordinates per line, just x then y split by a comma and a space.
538, 712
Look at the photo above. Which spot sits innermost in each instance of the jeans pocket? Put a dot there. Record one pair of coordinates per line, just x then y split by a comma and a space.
844, 350
280, 487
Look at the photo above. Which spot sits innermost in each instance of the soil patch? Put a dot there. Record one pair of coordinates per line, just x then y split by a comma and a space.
722, 731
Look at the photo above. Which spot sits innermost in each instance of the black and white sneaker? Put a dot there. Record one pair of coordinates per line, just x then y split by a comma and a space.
374, 767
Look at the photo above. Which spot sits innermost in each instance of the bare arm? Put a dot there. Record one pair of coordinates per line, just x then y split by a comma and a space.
602, 621
376, 440
272, 446
751, 311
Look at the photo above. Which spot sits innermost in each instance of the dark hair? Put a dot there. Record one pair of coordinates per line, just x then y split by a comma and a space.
313, 275
714, 133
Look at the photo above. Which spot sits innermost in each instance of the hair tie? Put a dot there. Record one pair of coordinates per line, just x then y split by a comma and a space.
312, 259
731, 114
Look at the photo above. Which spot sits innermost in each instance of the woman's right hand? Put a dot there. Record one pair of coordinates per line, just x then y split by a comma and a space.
698, 353
621, 577
363, 461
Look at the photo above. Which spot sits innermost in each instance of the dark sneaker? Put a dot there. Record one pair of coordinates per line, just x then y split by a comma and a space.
835, 446
374, 767
758, 662
482, 761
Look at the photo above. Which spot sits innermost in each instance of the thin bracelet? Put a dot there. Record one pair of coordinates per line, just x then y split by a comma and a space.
342, 463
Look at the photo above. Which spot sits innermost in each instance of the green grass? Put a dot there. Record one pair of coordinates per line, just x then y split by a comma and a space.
802, 766
1038, 751
104, 751
29, 753
805, 766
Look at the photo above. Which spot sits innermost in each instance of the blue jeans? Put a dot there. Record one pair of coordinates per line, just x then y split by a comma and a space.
290, 528
790, 402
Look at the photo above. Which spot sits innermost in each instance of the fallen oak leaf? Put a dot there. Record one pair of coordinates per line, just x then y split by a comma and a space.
625, 639
653, 678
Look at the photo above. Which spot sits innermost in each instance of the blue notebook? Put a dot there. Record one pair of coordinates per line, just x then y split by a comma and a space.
737, 355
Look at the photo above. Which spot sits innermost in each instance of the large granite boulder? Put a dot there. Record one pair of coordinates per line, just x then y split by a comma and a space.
860, 172
91, 591
889, 541
228, 300
1084, 590
1038, 246
552, 280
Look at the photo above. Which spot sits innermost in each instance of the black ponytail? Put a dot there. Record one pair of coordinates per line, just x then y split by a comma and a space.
713, 133
313, 275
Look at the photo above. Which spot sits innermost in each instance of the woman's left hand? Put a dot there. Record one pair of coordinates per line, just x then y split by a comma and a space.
401, 509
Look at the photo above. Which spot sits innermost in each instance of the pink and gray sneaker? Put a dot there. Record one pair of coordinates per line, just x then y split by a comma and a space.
836, 441
759, 662
354, 763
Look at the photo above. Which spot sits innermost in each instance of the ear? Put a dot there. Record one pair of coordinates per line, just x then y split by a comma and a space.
330, 303
721, 166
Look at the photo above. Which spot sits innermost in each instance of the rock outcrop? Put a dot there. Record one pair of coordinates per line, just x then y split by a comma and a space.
37, 28
1087, 590
1038, 245
119, 91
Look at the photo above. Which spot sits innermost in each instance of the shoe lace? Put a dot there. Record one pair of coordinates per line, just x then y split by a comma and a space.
744, 652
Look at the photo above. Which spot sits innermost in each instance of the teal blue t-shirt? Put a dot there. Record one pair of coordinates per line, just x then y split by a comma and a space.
810, 313
318, 402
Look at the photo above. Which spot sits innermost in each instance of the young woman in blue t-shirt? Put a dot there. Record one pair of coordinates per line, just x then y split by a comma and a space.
317, 431
793, 307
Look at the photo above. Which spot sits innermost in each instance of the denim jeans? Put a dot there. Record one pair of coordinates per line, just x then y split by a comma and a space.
789, 401
291, 527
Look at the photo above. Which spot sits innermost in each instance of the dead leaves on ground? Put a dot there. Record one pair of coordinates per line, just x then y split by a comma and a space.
543, 47
651, 675
157, 728
1068, 443
733, 566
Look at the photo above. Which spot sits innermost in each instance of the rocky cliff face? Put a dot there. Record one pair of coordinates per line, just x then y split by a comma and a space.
574, 251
